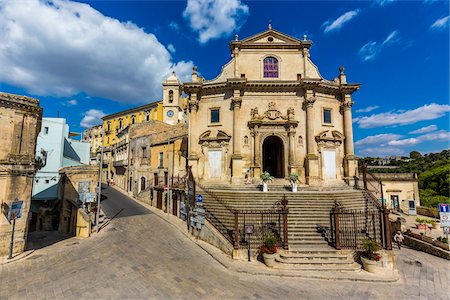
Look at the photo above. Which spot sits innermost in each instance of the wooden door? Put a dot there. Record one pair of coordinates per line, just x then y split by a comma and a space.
159, 199
174, 204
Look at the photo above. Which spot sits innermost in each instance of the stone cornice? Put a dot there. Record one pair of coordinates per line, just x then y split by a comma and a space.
23, 103
319, 85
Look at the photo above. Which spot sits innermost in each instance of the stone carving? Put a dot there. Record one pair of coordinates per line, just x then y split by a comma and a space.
272, 113
330, 137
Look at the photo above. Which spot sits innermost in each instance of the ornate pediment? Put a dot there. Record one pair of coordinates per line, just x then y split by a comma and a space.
219, 137
270, 39
330, 136
272, 114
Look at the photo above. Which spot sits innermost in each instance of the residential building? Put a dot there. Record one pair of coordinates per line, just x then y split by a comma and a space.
270, 110
399, 189
114, 126
55, 140
20, 124
157, 163
93, 136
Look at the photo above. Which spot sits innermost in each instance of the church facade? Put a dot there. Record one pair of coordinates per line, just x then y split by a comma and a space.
270, 110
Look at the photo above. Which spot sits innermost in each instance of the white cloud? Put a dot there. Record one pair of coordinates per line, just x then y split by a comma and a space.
213, 19
62, 48
339, 22
91, 118
424, 129
174, 25
371, 49
72, 102
377, 139
384, 2
171, 48
441, 23
440, 135
427, 112
367, 109
382, 151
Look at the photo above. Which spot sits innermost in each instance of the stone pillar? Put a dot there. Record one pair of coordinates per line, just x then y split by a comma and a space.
312, 159
256, 153
292, 166
236, 102
192, 157
350, 162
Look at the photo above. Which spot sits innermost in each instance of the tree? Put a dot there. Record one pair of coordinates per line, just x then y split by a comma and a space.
414, 155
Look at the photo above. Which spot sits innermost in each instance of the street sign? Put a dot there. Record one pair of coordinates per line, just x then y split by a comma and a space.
443, 207
89, 197
445, 219
199, 199
248, 229
446, 230
15, 210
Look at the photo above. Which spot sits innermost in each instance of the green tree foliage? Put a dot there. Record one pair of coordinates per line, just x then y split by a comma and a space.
414, 155
433, 170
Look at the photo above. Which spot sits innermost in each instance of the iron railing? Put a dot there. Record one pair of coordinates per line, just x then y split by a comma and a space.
350, 227
232, 223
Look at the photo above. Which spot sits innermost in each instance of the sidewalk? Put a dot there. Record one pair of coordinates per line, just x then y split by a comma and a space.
257, 268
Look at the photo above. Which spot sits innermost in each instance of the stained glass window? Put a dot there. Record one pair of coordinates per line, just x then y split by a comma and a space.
270, 67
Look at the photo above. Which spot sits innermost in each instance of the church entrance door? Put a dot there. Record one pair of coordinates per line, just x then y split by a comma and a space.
273, 156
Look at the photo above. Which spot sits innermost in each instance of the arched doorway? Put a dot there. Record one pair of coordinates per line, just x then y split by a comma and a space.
273, 156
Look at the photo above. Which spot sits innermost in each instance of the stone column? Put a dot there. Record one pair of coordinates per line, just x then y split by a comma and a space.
238, 177
256, 153
292, 165
192, 157
350, 162
236, 104
312, 159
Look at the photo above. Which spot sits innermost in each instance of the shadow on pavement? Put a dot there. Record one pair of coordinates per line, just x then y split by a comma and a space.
41, 239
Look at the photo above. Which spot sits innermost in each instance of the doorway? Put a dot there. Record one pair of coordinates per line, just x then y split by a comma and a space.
329, 164
273, 156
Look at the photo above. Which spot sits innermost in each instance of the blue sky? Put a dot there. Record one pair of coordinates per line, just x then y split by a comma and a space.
86, 59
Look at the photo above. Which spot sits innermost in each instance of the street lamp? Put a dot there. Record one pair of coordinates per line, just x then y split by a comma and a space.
100, 183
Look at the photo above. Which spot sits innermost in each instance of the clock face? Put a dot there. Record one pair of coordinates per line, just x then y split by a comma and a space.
170, 113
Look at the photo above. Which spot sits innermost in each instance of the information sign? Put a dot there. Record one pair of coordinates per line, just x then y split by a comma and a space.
248, 229
15, 210
199, 199
445, 219
446, 230
443, 207
89, 197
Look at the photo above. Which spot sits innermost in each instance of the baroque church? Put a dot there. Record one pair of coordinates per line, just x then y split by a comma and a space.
270, 110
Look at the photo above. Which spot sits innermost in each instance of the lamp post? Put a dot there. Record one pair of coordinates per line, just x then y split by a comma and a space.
100, 183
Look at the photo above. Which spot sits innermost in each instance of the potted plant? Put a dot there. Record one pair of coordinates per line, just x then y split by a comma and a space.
433, 224
369, 257
293, 178
265, 177
269, 250
421, 224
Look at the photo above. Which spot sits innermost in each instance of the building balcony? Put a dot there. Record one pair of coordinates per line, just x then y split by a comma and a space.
120, 163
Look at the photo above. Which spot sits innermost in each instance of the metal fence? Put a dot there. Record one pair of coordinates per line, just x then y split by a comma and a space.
235, 224
349, 228
251, 227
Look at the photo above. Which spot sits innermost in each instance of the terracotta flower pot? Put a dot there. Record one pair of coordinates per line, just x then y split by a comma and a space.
369, 265
269, 259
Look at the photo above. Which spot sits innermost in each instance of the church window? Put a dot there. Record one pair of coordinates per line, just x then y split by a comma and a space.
327, 116
170, 96
215, 115
270, 67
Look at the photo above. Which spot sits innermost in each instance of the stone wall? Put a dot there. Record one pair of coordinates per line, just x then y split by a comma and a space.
426, 247
20, 124
429, 212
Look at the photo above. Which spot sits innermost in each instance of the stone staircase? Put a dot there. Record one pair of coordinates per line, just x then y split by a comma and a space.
308, 209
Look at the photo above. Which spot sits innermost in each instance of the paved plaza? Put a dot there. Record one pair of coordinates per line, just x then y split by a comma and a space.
140, 255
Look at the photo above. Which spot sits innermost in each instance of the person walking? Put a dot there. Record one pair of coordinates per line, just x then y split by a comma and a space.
399, 238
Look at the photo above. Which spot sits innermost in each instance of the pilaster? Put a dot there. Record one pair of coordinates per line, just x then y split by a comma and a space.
312, 159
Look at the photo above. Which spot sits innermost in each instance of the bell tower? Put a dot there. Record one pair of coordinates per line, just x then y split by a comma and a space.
172, 111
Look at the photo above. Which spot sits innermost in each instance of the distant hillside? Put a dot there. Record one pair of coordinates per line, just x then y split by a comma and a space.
433, 170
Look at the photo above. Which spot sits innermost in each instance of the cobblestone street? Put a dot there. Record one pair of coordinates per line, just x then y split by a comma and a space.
139, 255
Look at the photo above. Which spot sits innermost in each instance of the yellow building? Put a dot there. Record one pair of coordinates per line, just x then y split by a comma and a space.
116, 122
